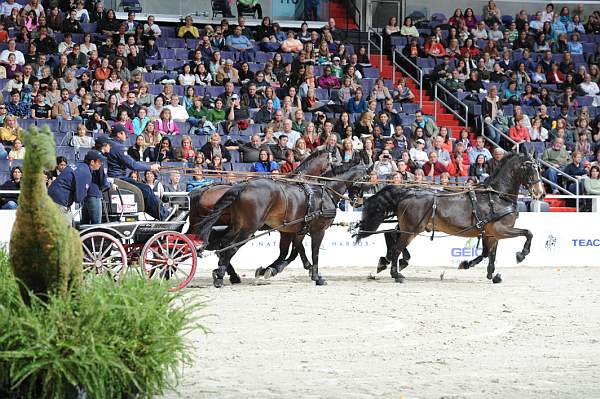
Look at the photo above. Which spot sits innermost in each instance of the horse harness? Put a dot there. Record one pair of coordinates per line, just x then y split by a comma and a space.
494, 215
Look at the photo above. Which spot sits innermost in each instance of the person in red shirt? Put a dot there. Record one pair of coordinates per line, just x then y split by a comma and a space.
289, 164
3, 34
434, 48
433, 167
519, 133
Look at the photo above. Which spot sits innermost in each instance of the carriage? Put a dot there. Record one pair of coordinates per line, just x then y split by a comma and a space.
159, 249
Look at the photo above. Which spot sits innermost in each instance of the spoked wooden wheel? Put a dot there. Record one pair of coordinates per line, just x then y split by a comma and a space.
103, 254
170, 255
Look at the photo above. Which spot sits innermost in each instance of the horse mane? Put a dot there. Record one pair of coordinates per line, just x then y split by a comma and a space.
340, 169
499, 171
306, 163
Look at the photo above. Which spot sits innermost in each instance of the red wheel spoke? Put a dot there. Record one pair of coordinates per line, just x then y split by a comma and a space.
183, 257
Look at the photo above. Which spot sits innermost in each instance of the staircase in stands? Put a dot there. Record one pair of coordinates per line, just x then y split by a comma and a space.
339, 11
444, 118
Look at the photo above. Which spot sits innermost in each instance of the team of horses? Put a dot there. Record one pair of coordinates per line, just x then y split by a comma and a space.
226, 216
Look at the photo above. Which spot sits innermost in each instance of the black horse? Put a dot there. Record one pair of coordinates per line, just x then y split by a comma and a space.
294, 209
202, 200
488, 211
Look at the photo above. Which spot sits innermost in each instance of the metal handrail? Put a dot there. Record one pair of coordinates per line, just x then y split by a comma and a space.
465, 120
419, 70
379, 46
544, 163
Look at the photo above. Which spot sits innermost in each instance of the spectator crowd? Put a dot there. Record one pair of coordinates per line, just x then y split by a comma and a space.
233, 97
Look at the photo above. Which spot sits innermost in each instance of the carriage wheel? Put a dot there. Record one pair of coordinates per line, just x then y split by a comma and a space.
170, 255
103, 253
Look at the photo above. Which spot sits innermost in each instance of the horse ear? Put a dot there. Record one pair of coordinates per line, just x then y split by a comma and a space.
523, 149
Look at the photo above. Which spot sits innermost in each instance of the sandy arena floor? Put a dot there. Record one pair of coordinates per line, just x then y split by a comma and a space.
536, 335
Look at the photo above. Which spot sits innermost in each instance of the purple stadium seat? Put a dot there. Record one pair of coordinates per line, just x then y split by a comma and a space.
371, 73
181, 54
155, 89
51, 123
168, 31
175, 43
262, 57
214, 91
68, 126
167, 53
89, 27
399, 41
171, 65
25, 123
585, 101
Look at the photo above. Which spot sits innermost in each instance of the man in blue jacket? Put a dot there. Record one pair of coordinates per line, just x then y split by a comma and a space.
119, 162
91, 209
73, 183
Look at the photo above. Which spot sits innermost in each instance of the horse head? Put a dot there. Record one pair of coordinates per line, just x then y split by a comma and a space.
41, 152
531, 175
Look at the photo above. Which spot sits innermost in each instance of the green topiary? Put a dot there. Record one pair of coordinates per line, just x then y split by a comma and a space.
46, 254
112, 341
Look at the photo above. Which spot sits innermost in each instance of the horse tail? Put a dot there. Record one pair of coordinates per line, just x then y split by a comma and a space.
204, 228
377, 208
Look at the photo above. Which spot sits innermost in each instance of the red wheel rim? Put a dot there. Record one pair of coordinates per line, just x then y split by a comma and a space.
170, 255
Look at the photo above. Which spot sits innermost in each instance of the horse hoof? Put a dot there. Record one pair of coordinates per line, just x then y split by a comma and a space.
497, 279
383, 264
399, 279
520, 257
218, 282
320, 281
463, 265
269, 272
259, 272
235, 279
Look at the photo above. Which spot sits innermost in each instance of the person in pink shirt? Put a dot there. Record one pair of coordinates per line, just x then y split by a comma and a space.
328, 80
165, 125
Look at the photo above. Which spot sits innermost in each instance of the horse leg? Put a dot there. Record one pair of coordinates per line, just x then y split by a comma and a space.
527, 247
234, 278
390, 242
491, 264
299, 249
405, 258
403, 242
225, 259
467, 264
284, 247
315, 243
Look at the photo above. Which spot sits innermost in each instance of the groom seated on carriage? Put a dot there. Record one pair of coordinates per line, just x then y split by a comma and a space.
119, 161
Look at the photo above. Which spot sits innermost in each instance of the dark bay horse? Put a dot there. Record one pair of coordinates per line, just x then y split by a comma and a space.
291, 208
488, 211
202, 200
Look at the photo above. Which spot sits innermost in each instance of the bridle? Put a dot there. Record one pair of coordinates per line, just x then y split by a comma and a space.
532, 178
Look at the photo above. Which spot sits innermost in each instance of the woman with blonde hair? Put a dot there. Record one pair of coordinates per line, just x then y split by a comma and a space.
349, 154
151, 135
165, 124
364, 126
186, 152
11, 130
301, 152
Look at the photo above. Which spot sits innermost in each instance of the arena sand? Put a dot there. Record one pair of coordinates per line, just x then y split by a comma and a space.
536, 335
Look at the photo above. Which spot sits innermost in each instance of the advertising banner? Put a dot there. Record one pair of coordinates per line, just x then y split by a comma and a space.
559, 240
